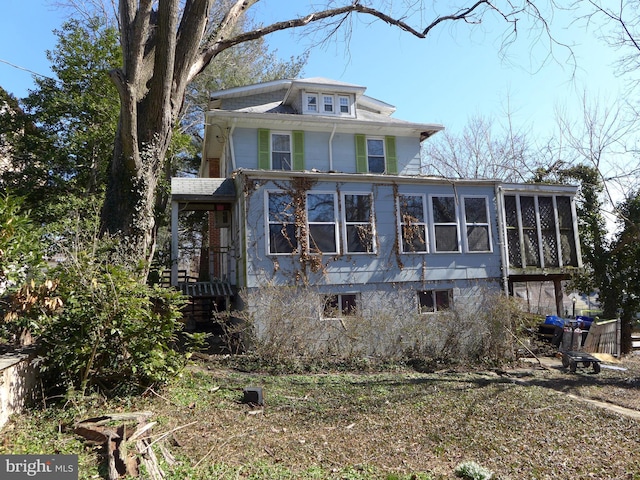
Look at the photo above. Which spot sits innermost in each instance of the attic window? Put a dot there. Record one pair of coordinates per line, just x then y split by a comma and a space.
326, 103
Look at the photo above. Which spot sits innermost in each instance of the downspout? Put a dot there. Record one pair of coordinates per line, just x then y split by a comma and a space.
502, 222
331, 147
231, 149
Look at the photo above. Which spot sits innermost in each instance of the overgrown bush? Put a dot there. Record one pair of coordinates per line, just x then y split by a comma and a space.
113, 332
21, 264
284, 323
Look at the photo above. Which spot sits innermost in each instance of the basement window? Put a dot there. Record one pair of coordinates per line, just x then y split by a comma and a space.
431, 301
339, 305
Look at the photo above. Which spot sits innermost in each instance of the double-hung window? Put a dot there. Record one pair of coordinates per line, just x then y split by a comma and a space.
311, 102
413, 226
328, 104
476, 218
281, 223
280, 151
445, 224
345, 104
358, 223
322, 223
375, 155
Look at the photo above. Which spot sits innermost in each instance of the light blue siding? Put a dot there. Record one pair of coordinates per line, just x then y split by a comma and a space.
387, 266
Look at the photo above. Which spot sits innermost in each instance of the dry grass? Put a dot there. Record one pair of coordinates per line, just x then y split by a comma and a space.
515, 423
398, 424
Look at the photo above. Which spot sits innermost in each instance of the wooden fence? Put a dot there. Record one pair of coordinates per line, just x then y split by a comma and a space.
603, 337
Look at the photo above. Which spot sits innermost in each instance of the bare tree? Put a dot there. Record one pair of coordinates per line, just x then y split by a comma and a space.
165, 48
604, 139
482, 150
619, 25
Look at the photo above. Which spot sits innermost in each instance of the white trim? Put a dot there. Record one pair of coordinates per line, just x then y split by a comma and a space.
344, 223
268, 223
465, 225
335, 222
433, 224
425, 223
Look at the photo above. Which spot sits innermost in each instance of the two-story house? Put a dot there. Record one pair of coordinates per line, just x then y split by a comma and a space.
311, 182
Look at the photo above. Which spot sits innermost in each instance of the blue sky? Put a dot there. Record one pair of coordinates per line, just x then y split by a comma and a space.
452, 75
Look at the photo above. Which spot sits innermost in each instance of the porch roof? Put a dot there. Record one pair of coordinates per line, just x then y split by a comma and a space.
203, 190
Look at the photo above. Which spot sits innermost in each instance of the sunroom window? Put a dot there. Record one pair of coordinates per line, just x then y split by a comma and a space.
540, 231
476, 217
413, 226
281, 223
445, 224
358, 221
321, 220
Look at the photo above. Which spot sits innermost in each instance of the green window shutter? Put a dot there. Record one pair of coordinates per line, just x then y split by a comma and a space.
264, 153
297, 137
361, 154
390, 154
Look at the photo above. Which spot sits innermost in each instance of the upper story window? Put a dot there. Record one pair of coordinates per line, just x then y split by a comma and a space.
358, 223
280, 151
345, 104
325, 103
376, 154
540, 231
413, 225
281, 223
476, 219
322, 223
445, 223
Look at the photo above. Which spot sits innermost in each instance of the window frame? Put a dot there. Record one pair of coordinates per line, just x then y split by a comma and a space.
467, 224
334, 223
424, 223
434, 225
340, 300
272, 151
384, 153
336, 103
433, 294
268, 222
347, 223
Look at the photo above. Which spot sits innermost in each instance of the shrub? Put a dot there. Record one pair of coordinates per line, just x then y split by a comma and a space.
21, 266
113, 332
283, 323
473, 471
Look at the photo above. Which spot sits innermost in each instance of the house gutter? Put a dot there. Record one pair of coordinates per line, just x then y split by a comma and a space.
333, 132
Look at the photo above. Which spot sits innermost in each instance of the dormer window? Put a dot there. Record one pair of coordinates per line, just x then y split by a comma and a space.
327, 101
324, 103
311, 104
345, 104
